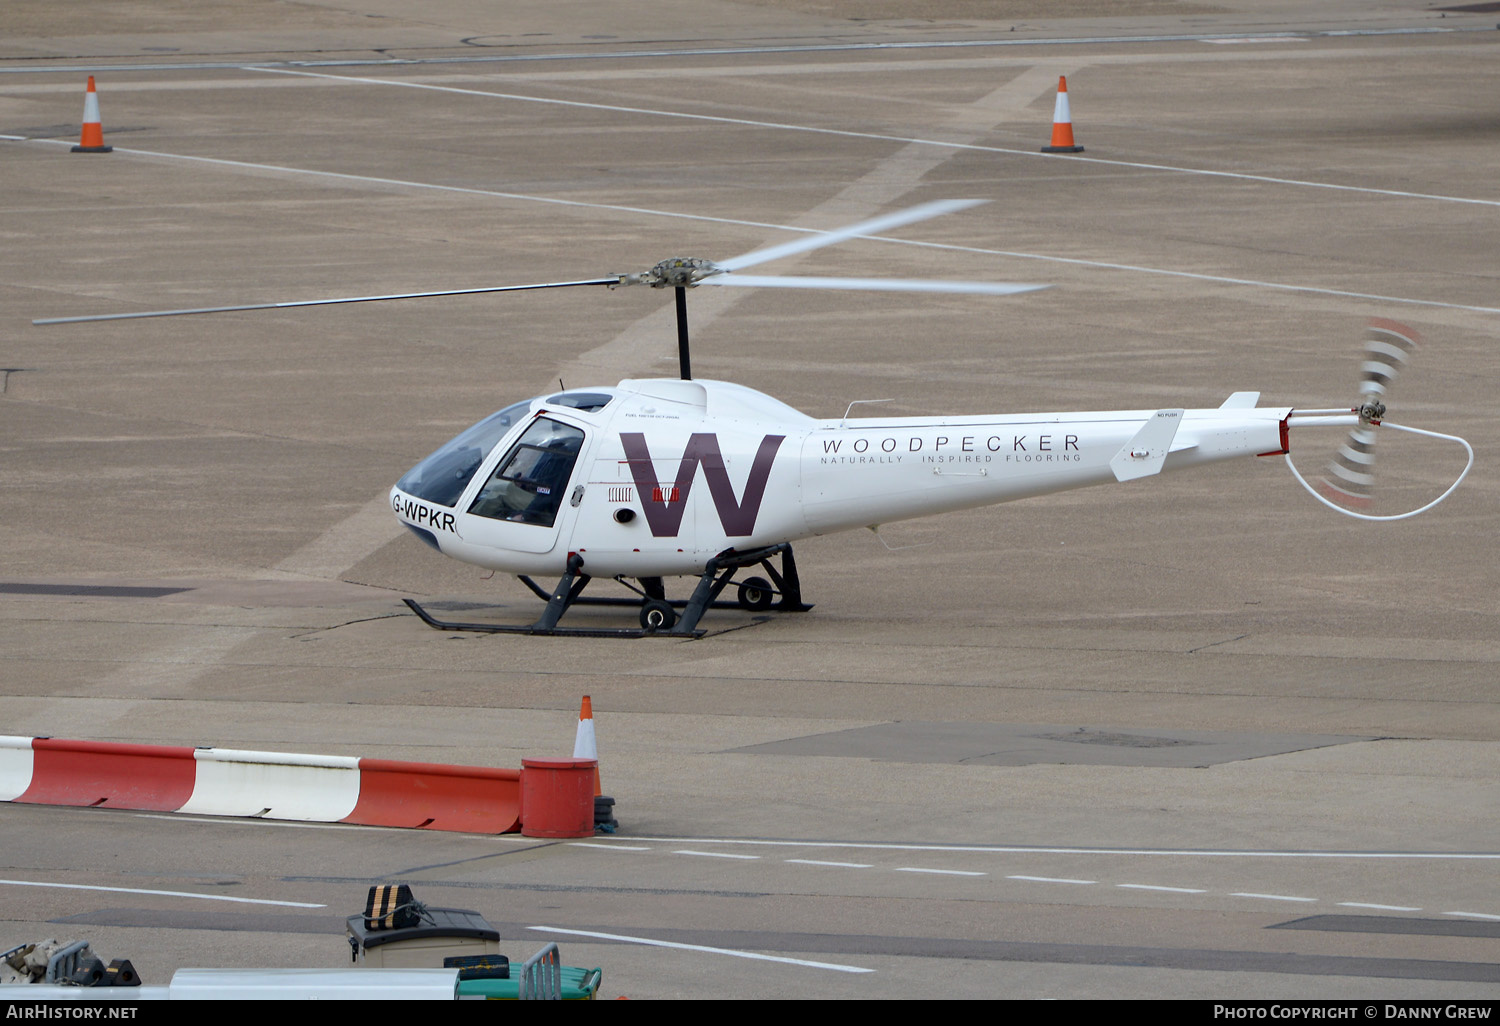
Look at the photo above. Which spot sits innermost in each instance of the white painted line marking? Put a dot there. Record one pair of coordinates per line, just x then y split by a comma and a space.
1051, 879
1474, 915
340, 176
1154, 887
714, 854
839, 865
906, 140
1270, 897
700, 947
614, 55
168, 894
1382, 908
1169, 273
609, 847
997, 849
941, 872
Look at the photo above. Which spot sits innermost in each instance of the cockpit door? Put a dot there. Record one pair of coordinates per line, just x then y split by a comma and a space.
524, 503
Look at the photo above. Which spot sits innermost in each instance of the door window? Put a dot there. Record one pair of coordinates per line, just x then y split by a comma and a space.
528, 485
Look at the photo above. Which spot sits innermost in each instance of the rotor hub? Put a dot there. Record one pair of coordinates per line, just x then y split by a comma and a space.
1372, 410
674, 272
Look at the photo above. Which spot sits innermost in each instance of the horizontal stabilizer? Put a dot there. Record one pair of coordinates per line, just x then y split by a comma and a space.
1144, 454
1241, 401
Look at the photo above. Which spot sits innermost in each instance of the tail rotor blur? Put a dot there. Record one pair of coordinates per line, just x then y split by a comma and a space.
1349, 478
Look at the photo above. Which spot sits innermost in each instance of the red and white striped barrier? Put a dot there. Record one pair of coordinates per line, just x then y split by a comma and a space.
263, 785
316, 788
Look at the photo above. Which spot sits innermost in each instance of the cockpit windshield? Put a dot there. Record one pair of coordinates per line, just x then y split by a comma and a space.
442, 477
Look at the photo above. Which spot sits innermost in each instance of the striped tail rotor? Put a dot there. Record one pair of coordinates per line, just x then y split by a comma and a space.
1349, 478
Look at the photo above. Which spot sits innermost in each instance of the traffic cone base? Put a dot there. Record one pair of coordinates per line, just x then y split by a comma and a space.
1062, 122
93, 129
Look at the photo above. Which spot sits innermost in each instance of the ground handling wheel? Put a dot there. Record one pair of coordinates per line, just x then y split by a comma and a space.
658, 615
756, 594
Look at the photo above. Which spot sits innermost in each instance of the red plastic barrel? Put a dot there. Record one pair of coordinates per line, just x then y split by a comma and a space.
557, 797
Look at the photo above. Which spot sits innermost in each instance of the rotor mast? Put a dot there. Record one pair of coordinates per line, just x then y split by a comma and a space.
684, 364
678, 274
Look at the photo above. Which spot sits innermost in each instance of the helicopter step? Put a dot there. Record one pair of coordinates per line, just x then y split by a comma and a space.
659, 615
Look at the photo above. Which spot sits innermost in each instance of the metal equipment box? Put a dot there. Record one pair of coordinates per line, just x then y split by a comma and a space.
443, 932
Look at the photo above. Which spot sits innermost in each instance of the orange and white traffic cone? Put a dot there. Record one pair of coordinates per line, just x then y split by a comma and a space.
586, 747
1062, 122
584, 744
93, 130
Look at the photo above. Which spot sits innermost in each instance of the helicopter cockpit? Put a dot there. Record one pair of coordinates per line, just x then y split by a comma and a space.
528, 483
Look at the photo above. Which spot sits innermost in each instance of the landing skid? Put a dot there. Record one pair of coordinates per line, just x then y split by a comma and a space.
660, 617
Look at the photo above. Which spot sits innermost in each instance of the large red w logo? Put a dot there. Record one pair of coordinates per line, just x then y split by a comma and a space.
665, 516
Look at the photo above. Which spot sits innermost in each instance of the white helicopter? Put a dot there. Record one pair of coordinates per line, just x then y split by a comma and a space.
656, 478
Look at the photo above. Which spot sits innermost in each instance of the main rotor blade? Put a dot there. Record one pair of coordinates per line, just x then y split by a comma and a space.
871, 284
611, 280
871, 227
